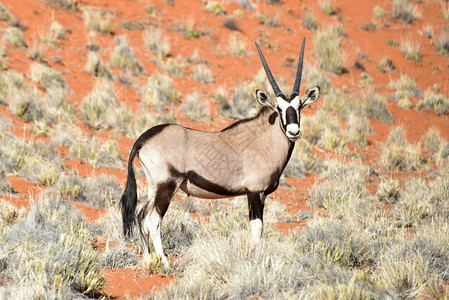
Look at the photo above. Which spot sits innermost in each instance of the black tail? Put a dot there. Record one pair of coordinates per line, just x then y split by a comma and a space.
128, 202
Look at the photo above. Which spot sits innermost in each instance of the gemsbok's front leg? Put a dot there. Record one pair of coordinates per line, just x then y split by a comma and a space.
256, 202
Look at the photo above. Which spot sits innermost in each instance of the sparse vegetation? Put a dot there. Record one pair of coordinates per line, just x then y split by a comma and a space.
237, 46
385, 65
399, 154
215, 7
195, 109
48, 253
442, 45
14, 37
411, 50
309, 22
97, 153
156, 42
327, 7
159, 91
123, 57
94, 21
368, 104
96, 67
5, 15
404, 11
203, 74
434, 102
393, 43
328, 50
379, 12
47, 77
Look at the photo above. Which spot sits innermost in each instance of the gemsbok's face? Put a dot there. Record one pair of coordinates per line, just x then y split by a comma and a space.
289, 109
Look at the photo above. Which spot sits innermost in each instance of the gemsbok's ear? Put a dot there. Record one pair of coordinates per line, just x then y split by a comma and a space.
265, 99
311, 96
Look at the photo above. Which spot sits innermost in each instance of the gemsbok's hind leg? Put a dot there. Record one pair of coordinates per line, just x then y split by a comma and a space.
256, 203
151, 219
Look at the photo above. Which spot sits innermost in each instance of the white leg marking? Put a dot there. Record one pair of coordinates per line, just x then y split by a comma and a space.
154, 222
256, 229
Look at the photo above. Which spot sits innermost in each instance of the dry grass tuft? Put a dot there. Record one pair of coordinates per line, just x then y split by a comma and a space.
47, 77
404, 11
49, 253
156, 42
328, 50
14, 37
434, 102
123, 57
195, 109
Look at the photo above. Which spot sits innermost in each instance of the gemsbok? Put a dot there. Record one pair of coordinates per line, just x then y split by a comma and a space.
245, 158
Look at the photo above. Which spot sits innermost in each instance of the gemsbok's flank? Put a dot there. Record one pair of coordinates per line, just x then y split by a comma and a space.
245, 158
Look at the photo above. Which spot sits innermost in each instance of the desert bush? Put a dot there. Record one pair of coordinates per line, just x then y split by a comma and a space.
171, 66
423, 202
195, 109
385, 65
241, 104
368, 104
324, 131
411, 50
302, 161
314, 77
65, 4
96, 67
405, 86
356, 130
309, 22
434, 102
438, 149
47, 77
94, 21
341, 191
156, 42
14, 37
237, 45
35, 160
400, 154
404, 11
96, 106
123, 57
328, 50
388, 191
102, 191
5, 15
327, 7
442, 45
215, 7
203, 74
49, 253
158, 91
379, 12
97, 153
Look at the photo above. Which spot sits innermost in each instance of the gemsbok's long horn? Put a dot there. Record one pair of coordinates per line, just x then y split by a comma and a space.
276, 89
299, 71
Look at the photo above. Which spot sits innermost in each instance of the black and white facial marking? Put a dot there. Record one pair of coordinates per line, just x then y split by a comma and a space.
290, 114
289, 110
